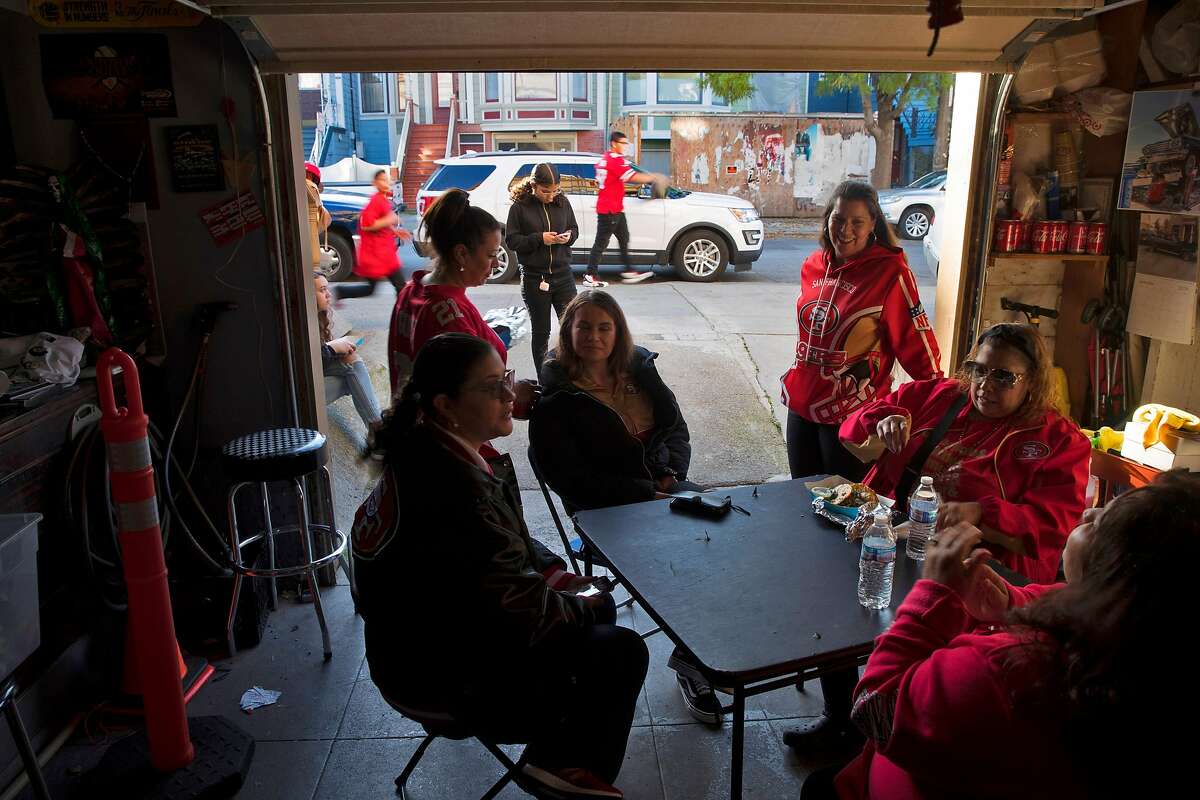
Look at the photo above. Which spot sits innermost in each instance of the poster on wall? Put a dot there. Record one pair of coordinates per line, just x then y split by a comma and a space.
105, 74
1163, 305
1162, 154
113, 14
233, 218
194, 153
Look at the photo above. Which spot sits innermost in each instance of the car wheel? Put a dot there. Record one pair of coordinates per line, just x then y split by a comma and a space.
914, 223
341, 251
700, 256
506, 266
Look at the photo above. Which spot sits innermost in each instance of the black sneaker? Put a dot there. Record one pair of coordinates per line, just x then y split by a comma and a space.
700, 700
823, 735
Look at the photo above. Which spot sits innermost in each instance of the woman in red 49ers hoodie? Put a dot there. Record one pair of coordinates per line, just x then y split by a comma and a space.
1063, 696
858, 313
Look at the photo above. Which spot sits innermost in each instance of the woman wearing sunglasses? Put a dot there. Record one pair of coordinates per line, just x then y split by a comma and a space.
1009, 463
460, 618
541, 228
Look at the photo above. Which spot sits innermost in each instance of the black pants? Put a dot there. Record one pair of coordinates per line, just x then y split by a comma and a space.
814, 449
573, 700
606, 226
562, 289
367, 287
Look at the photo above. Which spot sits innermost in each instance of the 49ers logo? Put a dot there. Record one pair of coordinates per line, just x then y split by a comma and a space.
818, 317
375, 521
1032, 451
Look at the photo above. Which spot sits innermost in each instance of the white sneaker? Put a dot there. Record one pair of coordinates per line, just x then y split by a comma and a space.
635, 277
592, 282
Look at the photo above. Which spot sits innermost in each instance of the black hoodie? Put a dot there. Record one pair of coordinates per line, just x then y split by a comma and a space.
528, 219
585, 452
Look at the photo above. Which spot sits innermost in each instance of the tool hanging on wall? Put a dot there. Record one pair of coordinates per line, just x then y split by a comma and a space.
1106, 361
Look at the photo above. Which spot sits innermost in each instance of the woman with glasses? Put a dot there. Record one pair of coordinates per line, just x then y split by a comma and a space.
541, 228
1009, 463
460, 617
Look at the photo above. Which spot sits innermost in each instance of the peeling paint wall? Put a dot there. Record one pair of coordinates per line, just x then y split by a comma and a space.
755, 157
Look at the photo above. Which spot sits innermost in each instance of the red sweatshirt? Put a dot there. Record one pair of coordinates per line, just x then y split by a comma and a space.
377, 257
1029, 478
855, 321
422, 312
946, 705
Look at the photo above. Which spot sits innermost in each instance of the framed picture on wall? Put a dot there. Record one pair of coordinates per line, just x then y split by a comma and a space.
194, 153
93, 75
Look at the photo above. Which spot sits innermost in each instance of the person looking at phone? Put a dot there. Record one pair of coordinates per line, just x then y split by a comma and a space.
541, 228
459, 615
343, 368
973, 694
608, 431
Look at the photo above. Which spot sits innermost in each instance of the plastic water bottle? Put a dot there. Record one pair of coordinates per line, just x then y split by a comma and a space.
922, 517
877, 562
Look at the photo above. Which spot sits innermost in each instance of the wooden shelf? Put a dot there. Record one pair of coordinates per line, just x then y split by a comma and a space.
1039, 117
1051, 256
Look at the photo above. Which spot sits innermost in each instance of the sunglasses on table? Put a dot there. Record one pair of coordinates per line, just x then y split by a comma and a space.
1002, 378
499, 386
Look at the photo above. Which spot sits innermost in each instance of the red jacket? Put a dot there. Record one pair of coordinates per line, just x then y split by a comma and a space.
947, 707
855, 321
377, 257
1029, 478
422, 312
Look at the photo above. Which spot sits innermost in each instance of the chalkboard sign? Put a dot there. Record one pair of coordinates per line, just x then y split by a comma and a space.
194, 153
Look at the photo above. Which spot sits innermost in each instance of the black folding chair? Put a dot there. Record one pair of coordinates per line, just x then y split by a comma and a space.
439, 724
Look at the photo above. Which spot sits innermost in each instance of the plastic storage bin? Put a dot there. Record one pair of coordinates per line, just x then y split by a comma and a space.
20, 625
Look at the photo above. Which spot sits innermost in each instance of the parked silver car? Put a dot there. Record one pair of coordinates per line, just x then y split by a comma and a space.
913, 208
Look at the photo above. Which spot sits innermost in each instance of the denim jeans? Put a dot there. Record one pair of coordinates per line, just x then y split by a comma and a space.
352, 379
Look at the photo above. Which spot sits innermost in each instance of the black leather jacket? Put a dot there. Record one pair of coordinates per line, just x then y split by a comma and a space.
585, 452
448, 576
528, 219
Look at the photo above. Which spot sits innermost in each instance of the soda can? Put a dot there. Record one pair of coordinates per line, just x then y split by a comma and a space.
1026, 235
1043, 237
1097, 238
1077, 237
1008, 236
1059, 235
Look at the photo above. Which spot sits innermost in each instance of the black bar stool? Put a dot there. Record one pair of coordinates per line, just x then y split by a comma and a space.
282, 454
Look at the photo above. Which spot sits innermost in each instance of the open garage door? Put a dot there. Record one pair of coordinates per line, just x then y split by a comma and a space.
778, 35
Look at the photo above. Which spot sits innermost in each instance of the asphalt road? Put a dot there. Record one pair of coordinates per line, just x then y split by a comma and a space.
722, 348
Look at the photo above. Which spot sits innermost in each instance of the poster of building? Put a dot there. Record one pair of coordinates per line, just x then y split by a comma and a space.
1163, 305
1162, 154
105, 74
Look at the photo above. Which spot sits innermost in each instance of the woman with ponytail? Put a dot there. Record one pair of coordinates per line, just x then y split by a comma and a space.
460, 616
465, 241
541, 228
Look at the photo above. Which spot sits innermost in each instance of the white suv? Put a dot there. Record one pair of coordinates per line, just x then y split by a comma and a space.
697, 232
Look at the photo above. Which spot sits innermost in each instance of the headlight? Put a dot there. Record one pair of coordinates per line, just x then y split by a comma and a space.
744, 214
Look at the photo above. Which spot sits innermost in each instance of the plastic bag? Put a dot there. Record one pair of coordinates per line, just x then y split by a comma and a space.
1099, 111
1176, 40
1029, 197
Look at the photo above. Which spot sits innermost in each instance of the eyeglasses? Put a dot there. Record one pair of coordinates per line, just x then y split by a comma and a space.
499, 388
1001, 378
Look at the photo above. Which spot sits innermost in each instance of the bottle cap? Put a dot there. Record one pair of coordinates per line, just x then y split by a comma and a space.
926, 480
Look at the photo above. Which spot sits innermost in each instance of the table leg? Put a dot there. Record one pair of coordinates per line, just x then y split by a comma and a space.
33, 770
739, 737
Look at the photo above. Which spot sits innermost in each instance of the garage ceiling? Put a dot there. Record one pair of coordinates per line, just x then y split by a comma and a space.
784, 35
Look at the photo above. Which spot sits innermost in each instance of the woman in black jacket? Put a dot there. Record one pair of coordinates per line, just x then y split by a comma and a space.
456, 596
607, 431
541, 228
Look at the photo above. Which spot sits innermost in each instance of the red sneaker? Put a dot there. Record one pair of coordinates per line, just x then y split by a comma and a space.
570, 783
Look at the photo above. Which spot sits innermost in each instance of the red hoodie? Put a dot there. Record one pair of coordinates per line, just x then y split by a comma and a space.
855, 321
948, 710
1029, 478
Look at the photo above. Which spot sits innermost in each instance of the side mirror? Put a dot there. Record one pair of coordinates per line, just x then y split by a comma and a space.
645, 191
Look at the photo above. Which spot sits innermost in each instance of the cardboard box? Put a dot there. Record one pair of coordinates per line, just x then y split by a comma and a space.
1175, 449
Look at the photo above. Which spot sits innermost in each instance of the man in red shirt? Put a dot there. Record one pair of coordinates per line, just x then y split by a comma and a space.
379, 229
613, 171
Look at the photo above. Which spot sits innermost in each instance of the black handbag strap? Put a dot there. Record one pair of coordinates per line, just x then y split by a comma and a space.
912, 470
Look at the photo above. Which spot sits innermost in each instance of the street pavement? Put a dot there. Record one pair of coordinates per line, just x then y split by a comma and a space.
722, 348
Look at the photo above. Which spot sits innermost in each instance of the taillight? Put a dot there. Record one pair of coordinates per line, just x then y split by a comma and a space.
422, 202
